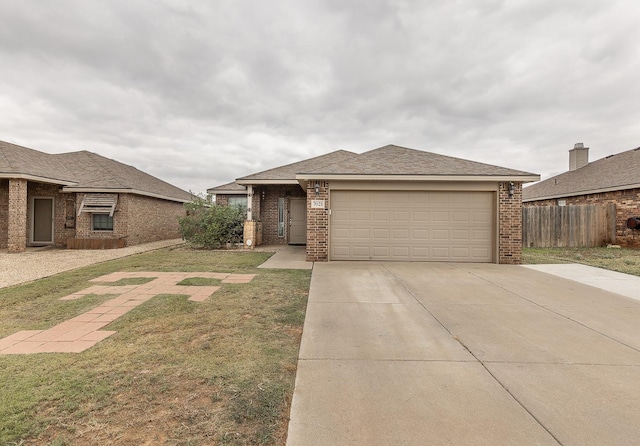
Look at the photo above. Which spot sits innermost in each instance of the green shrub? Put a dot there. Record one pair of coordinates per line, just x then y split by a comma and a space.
212, 226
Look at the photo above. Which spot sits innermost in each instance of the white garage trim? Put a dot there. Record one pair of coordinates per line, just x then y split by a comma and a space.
434, 225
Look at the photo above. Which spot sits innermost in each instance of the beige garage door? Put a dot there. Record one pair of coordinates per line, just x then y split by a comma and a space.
415, 225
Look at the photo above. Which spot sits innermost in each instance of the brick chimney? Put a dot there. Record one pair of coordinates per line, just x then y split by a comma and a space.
578, 156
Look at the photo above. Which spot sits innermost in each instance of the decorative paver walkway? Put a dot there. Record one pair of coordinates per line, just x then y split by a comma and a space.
82, 332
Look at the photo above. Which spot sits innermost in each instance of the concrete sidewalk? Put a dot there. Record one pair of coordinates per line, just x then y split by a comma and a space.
464, 354
611, 281
288, 257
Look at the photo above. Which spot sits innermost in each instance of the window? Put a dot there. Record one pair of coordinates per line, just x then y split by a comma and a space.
101, 222
239, 202
280, 217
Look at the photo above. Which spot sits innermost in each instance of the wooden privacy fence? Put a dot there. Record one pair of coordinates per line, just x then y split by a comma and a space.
583, 226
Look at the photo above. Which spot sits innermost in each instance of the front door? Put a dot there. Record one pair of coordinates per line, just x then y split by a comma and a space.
42, 222
298, 221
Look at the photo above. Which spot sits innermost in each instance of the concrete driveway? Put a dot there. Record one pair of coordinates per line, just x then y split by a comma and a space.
455, 354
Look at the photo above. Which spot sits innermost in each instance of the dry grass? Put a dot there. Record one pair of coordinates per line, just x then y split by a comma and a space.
176, 373
621, 260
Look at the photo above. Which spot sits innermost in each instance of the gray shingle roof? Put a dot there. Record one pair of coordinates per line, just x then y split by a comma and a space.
229, 188
395, 160
387, 160
289, 171
614, 172
83, 170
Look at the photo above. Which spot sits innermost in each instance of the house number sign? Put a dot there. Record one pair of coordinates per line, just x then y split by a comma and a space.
317, 204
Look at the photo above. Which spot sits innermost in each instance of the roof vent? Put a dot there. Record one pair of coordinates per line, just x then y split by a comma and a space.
578, 156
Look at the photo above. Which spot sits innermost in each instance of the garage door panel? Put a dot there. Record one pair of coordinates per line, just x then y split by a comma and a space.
440, 234
459, 253
361, 251
420, 216
416, 225
360, 215
382, 233
381, 216
481, 235
361, 233
439, 199
402, 234
461, 216
381, 252
461, 234
440, 253
420, 253
401, 217
440, 216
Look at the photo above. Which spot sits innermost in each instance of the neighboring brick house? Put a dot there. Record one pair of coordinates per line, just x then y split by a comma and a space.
391, 203
612, 179
82, 200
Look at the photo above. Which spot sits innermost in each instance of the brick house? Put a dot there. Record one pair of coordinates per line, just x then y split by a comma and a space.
81, 200
391, 203
613, 179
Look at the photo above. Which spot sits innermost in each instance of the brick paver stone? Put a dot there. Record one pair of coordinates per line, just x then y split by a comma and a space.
84, 331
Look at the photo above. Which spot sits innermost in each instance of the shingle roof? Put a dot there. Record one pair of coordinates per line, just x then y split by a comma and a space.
22, 160
396, 160
229, 188
289, 171
614, 172
83, 171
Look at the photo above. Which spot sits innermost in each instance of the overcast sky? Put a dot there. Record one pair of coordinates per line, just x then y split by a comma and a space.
199, 93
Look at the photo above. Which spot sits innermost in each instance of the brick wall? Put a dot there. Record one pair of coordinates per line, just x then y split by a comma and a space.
63, 206
137, 218
267, 204
4, 213
318, 224
222, 200
627, 205
84, 221
510, 225
151, 219
17, 221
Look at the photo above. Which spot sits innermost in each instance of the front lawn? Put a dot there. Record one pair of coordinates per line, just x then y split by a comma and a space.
615, 259
176, 372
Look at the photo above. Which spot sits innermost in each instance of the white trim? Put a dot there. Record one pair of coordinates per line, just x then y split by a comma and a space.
214, 191
586, 192
249, 202
416, 185
100, 190
250, 182
443, 178
22, 176
32, 226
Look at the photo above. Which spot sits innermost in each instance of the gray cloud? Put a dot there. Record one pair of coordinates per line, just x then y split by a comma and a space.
199, 93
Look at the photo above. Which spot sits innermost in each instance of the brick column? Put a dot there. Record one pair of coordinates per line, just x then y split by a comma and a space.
17, 228
318, 223
510, 225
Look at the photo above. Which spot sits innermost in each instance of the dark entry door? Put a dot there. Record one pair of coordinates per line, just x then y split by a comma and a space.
42, 220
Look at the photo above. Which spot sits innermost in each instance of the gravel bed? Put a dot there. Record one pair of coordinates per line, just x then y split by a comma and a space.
36, 263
